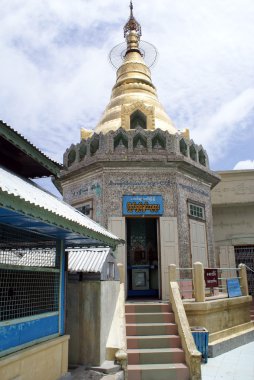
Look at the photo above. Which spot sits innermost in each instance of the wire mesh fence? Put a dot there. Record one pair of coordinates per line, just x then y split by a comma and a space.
29, 274
27, 293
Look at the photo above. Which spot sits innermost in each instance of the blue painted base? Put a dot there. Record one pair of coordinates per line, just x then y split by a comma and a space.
15, 335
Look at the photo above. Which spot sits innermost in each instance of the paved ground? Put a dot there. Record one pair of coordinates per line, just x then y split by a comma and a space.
237, 364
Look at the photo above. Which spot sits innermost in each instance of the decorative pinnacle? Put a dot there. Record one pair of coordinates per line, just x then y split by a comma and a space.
131, 8
132, 24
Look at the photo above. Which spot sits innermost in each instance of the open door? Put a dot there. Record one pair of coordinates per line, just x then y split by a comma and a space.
169, 251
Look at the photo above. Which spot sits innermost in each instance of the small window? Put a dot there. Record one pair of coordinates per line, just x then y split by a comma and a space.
111, 271
196, 211
86, 208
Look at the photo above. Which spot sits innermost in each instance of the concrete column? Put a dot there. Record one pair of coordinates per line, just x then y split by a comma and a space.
243, 279
199, 282
172, 272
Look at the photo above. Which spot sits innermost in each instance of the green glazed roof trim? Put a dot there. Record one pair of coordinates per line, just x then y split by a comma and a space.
10, 201
23, 144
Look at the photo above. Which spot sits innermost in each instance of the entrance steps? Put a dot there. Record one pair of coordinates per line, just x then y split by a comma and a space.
153, 344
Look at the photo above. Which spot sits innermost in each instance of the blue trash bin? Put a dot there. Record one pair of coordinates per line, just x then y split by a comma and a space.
201, 336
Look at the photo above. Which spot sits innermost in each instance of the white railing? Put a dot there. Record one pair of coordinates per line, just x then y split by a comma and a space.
192, 284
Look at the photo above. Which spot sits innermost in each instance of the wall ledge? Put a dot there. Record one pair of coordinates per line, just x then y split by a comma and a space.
26, 352
214, 304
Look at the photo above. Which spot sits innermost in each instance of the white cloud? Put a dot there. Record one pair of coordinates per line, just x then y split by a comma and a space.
244, 165
227, 122
55, 77
234, 111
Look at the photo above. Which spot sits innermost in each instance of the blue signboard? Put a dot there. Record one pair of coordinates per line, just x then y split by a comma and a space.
142, 205
233, 287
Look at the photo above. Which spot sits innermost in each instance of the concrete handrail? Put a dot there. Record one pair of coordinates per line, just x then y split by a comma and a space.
192, 355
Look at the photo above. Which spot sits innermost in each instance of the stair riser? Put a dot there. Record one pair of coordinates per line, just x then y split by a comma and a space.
150, 318
172, 374
148, 308
151, 330
139, 342
156, 358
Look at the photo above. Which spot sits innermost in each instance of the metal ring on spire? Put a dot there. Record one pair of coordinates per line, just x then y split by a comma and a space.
147, 50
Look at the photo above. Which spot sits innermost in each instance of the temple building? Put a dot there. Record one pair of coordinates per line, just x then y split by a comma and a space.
141, 178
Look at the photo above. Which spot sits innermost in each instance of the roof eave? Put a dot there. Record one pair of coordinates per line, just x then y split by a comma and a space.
24, 145
12, 202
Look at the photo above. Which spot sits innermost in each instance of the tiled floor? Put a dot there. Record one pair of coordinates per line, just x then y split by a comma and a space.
237, 364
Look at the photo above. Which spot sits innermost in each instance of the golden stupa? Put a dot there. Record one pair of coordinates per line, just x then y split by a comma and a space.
134, 101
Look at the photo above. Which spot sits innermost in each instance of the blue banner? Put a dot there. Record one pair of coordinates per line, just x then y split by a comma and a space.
142, 205
233, 287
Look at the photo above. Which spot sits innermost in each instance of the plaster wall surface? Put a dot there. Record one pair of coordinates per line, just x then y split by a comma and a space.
234, 225
233, 210
109, 297
219, 315
90, 310
43, 361
236, 187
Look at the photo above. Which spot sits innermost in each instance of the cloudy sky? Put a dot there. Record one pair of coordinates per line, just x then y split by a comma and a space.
55, 76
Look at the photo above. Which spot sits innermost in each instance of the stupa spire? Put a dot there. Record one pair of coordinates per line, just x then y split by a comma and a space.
133, 89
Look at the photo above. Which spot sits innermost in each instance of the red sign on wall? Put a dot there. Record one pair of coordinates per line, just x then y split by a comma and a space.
211, 278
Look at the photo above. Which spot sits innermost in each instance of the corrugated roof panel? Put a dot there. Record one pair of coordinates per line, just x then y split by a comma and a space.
30, 192
87, 260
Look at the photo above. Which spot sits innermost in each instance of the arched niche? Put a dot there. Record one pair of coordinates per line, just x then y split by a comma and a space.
138, 109
138, 119
82, 151
159, 141
120, 140
193, 153
94, 145
139, 141
183, 147
202, 157
71, 157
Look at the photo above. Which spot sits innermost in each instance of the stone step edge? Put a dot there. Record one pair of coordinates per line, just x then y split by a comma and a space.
148, 303
162, 313
163, 366
166, 336
154, 350
151, 324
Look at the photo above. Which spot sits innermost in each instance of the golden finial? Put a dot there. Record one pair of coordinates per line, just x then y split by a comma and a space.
132, 24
